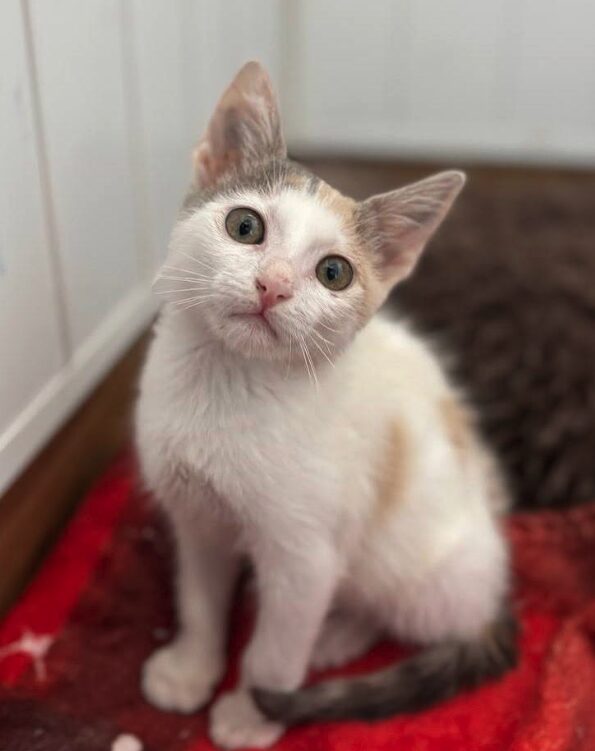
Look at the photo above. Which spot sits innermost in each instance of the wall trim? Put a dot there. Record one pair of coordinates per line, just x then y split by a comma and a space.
440, 144
28, 433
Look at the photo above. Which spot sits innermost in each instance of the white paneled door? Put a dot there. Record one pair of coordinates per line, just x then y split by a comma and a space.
161, 145
32, 349
86, 131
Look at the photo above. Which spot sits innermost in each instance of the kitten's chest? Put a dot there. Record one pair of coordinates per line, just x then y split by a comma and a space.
213, 417
242, 435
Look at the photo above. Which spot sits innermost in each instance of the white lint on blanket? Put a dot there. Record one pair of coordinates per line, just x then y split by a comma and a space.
35, 646
127, 742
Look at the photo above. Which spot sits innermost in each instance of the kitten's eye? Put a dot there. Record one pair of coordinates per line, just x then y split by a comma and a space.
245, 226
335, 272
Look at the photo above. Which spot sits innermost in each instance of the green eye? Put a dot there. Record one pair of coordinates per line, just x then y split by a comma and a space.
335, 272
245, 226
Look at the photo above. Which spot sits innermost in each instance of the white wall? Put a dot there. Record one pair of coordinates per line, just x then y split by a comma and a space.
487, 79
32, 341
101, 101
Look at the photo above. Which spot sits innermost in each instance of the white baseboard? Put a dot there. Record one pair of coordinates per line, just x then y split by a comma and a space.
28, 433
447, 144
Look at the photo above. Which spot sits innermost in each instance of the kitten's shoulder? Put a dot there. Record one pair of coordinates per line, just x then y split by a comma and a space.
391, 346
391, 334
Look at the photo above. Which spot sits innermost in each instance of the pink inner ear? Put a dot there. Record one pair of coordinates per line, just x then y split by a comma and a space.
203, 164
208, 167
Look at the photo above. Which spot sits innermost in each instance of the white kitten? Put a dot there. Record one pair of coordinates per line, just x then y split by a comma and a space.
279, 420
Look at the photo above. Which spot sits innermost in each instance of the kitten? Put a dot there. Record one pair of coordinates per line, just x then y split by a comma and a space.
281, 421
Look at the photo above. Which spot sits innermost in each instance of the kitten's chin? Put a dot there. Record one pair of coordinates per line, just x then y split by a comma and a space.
257, 323
252, 336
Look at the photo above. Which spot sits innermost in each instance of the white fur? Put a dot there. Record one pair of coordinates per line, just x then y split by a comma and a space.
249, 456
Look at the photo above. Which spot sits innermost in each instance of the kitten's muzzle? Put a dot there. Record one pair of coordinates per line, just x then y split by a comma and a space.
275, 283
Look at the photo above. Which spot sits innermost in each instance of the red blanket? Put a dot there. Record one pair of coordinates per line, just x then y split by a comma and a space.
71, 649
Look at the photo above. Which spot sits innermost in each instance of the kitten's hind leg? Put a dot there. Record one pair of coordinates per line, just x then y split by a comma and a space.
344, 636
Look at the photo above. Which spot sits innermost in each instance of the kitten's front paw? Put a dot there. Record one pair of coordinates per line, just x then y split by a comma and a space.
235, 722
176, 678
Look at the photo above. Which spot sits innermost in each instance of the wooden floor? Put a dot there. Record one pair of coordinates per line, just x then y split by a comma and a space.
36, 507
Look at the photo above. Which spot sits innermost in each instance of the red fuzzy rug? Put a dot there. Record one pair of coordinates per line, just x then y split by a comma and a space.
103, 600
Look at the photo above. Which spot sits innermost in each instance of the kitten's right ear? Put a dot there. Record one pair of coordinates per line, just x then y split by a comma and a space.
400, 223
244, 129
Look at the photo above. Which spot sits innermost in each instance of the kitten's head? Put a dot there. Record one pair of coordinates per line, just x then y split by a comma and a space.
278, 264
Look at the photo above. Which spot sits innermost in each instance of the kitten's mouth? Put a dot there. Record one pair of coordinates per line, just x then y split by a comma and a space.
257, 318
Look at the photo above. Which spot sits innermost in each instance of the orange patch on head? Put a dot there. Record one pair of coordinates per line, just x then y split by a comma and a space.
337, 202
345, 208
297, 180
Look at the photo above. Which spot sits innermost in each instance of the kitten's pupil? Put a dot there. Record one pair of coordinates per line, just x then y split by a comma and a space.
245, 227
332, 271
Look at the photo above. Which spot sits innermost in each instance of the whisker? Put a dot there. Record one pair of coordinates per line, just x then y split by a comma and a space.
186, 279
179, 269
199, 261
183, 289
192, 305
323, 353
308, 357
322, 338
192, 298
329, 328
305, 361
289, 357
311, 363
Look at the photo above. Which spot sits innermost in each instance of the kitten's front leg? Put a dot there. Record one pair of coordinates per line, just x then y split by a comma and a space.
182, 676
295, 592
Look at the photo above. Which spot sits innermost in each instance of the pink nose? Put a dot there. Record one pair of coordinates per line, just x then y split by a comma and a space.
275, 284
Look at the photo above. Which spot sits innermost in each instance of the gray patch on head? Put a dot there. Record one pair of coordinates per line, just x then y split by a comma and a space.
266, 177
312, 185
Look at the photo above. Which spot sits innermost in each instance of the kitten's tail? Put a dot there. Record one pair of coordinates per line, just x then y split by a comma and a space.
413, 684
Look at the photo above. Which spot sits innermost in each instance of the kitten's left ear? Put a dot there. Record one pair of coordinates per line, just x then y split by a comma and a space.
245, 128
400, 223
